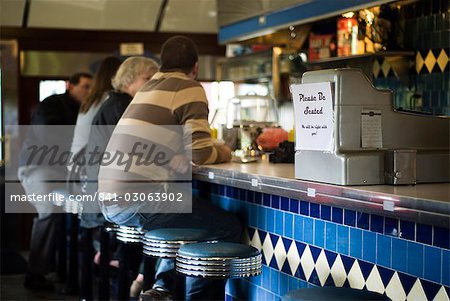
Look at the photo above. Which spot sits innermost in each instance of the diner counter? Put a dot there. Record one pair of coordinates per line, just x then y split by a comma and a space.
423, 203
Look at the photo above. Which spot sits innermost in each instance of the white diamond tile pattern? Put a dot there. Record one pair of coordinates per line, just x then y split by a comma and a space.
374, 282
267, 249
430, 60
416, 292
441, 295
307, 262
280, 253
293, 258
322, 268
256, 241
419, 62
376, 69
394, 289
338, 272
355, 276
385, 67
442, 60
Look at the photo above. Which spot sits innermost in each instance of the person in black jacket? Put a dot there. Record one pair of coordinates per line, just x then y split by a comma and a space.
42, 178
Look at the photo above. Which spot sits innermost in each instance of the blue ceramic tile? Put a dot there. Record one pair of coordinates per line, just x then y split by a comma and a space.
275, 202
362, 220
347, 263
325, 212
424, 233
343, 239
304, 208
294, 283
288, 224
385, 274
284, 284
261, 217
441, 237
279, 222
314, 210
399, 252
432, 264
284, 204
384, 250
331, 231
391, 226
349, 217
376, 223
415, 259
221, 190
229, 191
319, 233
270, 220
235, 192
445, 267
241, 194
355, 243
314, 278
252, 214
294, 206
266, 200
366, 268
337, 215
430, 289
331, 257
308, 228
407, 282
298, 228
265, 276
408, 230
258, 198
369, 246
250, 196
275, 279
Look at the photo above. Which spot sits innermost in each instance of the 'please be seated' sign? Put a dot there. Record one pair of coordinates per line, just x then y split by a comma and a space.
313, 109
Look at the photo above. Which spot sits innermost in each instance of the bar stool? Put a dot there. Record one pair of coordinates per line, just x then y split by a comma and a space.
218, 260
333, 293
164, 243
131, 243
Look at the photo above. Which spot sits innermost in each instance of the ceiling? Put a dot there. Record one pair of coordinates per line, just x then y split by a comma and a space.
193, 16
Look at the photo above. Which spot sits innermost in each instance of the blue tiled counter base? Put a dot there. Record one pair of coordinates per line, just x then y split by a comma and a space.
307, 244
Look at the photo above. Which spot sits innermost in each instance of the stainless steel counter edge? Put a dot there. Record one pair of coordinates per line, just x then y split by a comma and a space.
361, 198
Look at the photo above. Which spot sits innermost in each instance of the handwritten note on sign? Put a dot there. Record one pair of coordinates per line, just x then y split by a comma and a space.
313, 109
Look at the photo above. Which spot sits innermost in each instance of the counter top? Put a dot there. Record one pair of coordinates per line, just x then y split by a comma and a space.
424, 203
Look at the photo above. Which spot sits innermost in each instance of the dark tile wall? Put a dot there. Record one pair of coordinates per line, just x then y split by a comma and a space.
426, 32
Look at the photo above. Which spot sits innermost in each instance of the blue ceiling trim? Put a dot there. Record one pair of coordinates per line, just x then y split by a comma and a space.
311, 10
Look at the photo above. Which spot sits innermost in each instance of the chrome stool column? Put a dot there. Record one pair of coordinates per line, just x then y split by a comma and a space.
131, 241
164, 243
220, 260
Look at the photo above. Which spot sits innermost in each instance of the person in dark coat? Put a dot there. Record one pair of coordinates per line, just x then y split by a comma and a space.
42, 178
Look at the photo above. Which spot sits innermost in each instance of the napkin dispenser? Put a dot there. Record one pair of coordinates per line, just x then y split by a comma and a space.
415, 147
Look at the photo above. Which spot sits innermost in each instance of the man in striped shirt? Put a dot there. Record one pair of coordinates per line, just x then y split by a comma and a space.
149, 153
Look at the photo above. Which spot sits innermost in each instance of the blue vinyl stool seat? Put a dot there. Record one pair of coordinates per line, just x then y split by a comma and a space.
218, 260
333, 293
164, 243
129, 235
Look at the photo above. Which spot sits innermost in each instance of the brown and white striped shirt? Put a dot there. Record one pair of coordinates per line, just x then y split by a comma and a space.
167, 99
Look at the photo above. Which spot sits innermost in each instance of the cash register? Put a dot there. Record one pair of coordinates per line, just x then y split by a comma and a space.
411, 148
